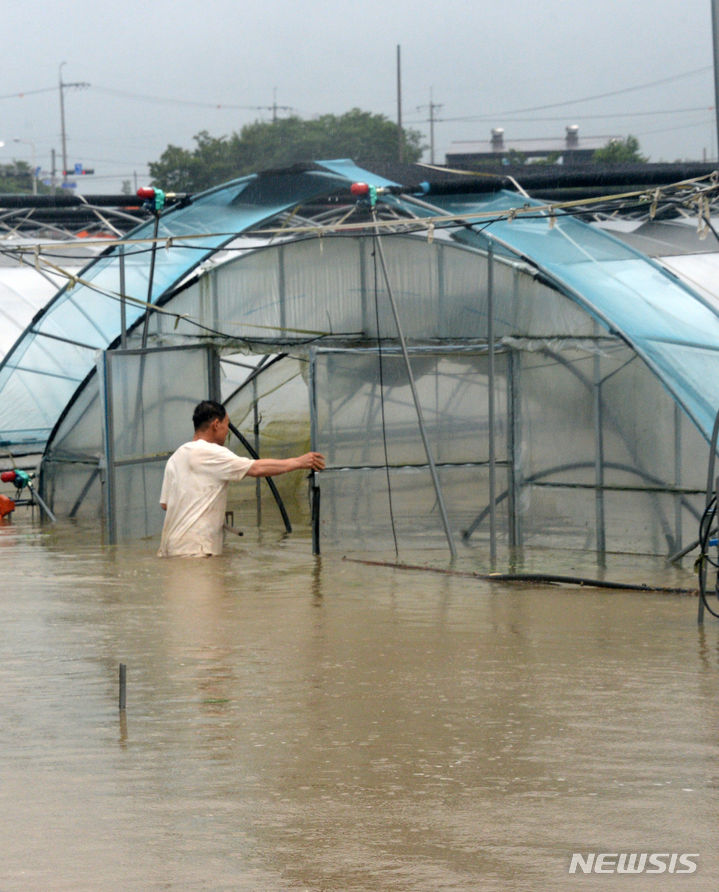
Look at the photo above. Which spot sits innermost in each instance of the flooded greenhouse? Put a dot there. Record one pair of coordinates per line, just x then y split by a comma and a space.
482, 372
403, 694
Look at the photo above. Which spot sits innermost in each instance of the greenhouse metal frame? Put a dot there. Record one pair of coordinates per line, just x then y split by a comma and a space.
482, 371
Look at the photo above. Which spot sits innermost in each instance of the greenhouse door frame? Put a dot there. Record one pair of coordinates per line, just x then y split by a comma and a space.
507, 463
122, 403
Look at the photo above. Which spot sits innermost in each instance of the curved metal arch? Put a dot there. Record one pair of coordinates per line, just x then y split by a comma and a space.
239, 205
500, 232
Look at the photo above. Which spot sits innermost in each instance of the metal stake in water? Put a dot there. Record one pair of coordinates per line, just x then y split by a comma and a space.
123, 686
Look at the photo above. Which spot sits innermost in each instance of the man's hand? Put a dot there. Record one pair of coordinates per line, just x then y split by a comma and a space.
313, 461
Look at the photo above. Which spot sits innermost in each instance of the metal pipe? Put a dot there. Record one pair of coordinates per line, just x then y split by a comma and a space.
109, 441
315, 503
599, 459
256, 430
123, 306
123, 686
146, 323
677, 473
490, 408
41, 502
415, 397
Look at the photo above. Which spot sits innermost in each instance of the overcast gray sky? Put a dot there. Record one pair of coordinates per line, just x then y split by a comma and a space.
161, 71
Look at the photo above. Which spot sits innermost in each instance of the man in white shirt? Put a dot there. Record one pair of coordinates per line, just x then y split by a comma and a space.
194, 488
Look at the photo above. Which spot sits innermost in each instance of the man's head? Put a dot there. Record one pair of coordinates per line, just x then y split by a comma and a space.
211, 422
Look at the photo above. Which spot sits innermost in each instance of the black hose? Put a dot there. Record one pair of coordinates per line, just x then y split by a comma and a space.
529, 577
705, 531
270, 482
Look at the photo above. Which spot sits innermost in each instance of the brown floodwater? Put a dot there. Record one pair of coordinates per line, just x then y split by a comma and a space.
299, 723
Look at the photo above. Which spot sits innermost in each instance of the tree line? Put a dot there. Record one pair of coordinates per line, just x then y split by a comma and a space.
364, 137
360, 135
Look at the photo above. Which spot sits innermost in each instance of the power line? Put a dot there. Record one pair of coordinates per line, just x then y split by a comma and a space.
28, 93
166, 100
162, 100
621, 92
581, 116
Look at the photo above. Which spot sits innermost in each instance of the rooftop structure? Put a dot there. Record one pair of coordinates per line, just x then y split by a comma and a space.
570, 149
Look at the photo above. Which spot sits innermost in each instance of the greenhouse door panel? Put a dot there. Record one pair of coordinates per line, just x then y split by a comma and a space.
377, 492
148, 399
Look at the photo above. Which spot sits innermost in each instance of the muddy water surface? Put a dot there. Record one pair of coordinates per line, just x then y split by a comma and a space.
299, 723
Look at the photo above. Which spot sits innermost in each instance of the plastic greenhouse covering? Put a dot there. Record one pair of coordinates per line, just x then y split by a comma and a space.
565, 385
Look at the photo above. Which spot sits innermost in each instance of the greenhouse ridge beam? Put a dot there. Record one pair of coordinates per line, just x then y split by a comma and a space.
471, 181
126, 202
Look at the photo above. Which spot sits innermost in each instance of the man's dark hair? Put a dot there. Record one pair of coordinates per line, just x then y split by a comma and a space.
206, 412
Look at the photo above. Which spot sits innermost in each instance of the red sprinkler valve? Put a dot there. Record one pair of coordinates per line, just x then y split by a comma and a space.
153, 198
19, 478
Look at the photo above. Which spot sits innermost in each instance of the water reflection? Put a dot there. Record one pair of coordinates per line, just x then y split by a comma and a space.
301, 723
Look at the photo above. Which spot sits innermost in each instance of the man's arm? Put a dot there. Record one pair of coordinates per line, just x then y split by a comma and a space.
271, 467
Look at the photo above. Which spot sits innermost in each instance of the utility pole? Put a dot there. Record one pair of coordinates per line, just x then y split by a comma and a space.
433, 106
400, 139
274, 108
62, 88
715, 40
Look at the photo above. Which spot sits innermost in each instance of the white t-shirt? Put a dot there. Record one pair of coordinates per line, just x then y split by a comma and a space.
194, 489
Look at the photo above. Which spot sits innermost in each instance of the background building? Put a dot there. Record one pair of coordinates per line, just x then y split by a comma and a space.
571, 149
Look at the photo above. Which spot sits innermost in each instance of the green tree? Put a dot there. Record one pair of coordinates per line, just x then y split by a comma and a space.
620, 151
362, 136
17, 177
515, 158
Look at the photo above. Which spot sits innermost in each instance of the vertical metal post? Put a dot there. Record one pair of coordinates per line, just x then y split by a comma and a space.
490, 409
314, 488
256, 429
441, 291
366, 318
110, 506
123, 686
315, 503
123, 306
415, 396
599, 459
513, 450
677, 475
151, 277
282, 287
